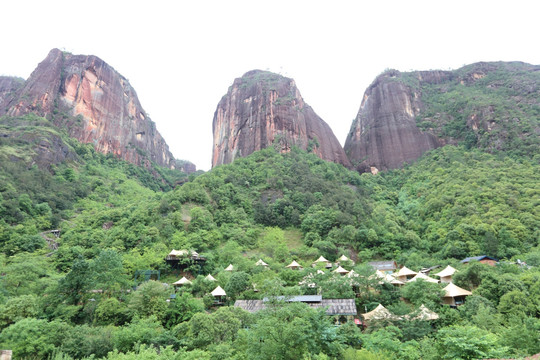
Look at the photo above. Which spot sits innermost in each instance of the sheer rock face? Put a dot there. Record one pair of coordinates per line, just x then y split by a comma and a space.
8, 86
108, 112
384, 134
263, 109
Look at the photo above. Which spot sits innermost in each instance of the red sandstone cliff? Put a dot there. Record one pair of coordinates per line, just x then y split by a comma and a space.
95, 103
384, 134
262, 109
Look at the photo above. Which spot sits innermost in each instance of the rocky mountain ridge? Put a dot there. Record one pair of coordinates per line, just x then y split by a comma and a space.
93, 102
263, 109
493, 106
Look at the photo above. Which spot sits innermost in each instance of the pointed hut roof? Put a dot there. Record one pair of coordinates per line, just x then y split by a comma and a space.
344, 258
425, 278
261, 263
379, 313
405, 271
178, 252
294, 264
229, 268
321, 259
210, 278
452, 290
396, 282
218, 292
447, 271
182, 281
352, 273
426, 314
320, 272
341, 270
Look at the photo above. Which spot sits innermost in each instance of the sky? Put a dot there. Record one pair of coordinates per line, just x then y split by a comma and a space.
181, 56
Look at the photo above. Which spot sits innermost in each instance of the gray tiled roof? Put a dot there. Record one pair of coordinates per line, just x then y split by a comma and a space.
384, 265
334, 306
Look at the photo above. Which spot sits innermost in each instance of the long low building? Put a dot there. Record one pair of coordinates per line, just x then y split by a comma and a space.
334, 307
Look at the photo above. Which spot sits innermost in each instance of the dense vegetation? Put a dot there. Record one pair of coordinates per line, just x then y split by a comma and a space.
74, 296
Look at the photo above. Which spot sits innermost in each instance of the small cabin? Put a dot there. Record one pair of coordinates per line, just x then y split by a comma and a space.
181, 259
484, 259
387, 266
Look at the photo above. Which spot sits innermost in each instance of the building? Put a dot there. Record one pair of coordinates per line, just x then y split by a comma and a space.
484, 259
446, 274
454, 295
342, 310
405, 274
387, 266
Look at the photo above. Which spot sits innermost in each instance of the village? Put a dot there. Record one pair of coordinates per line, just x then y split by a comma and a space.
342, 310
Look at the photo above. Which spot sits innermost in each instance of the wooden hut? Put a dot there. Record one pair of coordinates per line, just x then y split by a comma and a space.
484, 259
219, 296
387, 266
405, 274
454, 295
341, 309
294, 265
446, 274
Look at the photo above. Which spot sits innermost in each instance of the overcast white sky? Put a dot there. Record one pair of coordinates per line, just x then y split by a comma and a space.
181, 56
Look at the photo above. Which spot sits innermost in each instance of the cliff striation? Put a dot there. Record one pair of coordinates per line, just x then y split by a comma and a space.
384, 134
94, 102
264, 109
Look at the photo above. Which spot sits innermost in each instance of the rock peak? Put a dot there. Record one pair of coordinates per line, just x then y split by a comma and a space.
264, 109
96, 104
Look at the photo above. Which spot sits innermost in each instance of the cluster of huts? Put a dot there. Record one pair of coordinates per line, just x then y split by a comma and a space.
345, 309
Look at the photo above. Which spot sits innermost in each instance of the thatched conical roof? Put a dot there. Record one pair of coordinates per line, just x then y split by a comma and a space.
379, 313
426, 314
447, 271
321, 259
424, 277
294, 265
210, 278
178, 252
405, 271
452, 290
341, 270
261, 263
182, 281
229, 268
218, 292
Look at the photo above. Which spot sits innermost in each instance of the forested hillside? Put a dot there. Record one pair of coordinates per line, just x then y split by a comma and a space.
75, 295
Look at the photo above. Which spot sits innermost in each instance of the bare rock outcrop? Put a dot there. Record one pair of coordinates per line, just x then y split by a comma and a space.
384, 134
263, 109
95, 103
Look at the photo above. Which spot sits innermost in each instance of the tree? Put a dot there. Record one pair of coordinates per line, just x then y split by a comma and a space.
291, 332
238, 283
108, 271
150, 300
422, 292
33, 338
469, 342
